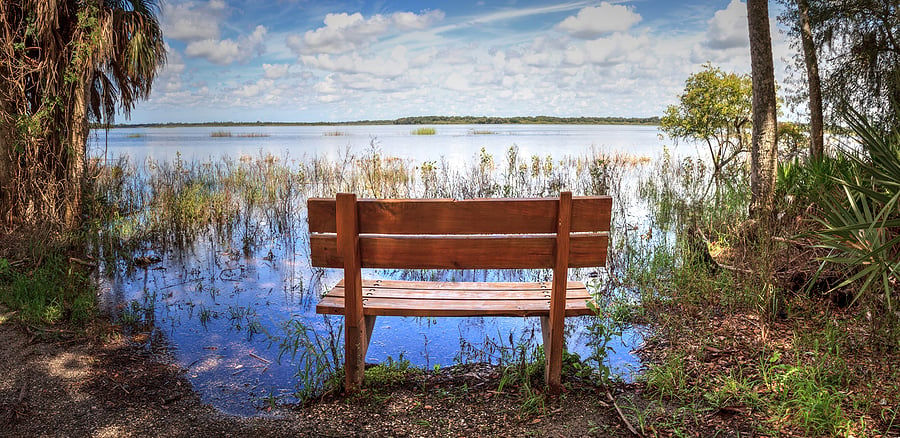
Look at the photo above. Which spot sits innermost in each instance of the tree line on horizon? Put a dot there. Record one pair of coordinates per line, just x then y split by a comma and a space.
417, 120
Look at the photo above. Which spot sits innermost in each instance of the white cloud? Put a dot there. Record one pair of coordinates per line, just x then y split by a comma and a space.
728, 28
594, 21
224, 52
413, 21
345, 32
275, 71
255, 89
393, 66
615, 49
192, 21
457, 82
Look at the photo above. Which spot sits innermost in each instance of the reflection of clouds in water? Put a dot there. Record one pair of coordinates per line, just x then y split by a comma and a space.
200, 289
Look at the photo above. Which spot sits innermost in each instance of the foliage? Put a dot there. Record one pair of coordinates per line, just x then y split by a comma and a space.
65, 63
792, 141
52, 291
715, 109
861, 225
859, 54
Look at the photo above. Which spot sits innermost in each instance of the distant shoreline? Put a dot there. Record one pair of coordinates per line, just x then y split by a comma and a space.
422, 120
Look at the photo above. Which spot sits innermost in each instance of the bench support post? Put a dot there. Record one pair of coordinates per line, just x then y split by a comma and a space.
557, 315
355, 333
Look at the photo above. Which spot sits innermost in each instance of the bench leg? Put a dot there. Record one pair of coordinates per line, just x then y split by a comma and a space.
370, 325
554, 344
355, 348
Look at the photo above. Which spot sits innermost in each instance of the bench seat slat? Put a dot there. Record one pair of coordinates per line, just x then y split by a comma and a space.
399, 298
462, 285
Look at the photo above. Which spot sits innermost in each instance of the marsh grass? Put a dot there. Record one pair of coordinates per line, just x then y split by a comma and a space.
221, 134
424, 131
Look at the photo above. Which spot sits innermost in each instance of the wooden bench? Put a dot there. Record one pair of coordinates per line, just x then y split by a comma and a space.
556, 233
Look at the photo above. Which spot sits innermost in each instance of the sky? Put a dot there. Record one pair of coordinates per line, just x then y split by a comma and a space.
309, 60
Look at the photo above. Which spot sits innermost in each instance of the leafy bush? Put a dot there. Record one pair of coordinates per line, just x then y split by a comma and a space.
861, 221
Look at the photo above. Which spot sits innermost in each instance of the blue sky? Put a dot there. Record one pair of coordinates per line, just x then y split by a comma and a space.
305, 60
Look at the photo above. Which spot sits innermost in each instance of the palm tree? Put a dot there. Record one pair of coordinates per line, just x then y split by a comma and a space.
65, 63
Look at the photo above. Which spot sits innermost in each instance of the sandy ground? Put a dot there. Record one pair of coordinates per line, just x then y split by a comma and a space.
86, 388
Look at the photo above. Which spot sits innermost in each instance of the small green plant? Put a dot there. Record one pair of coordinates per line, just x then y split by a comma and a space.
669, 378
53, 291
320, 356
424, 131
390, 373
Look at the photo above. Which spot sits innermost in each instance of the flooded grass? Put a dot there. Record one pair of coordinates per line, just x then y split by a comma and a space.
213, 256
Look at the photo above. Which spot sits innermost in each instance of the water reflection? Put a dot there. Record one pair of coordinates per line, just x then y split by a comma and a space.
223, 301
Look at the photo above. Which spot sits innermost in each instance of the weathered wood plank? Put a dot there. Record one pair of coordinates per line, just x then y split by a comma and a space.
460, 285
355, 337
472, 216
460, 294
457, 252
440, 308
554, 350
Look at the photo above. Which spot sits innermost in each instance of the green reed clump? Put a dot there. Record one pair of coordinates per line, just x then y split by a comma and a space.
424, 131
319, 354
220, 134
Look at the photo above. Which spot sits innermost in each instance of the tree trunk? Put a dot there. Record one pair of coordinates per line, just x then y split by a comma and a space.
77, 142
816, 124
7, 167
763, 149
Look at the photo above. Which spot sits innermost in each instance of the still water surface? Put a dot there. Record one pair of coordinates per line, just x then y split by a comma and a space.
217, 308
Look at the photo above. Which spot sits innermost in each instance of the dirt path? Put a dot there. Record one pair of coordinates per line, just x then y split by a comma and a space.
80, 388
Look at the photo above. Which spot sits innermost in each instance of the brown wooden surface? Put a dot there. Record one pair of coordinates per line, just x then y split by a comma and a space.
355, 337
474, 216
553, 233
421, 298
334, 305
455, 252
558, 295
461, 285
447, 291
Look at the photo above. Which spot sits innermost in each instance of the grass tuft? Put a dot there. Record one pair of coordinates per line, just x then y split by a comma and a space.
424, 131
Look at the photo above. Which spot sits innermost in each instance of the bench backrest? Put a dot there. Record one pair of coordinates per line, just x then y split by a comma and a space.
467, 234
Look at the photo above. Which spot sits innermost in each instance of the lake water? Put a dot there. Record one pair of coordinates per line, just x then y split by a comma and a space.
457, 143
217, 308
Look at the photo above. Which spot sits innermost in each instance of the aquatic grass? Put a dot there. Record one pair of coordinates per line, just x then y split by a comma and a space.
424, 131
221, 134
335, 133
319, 352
